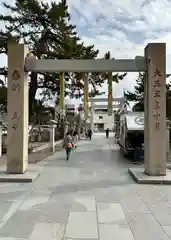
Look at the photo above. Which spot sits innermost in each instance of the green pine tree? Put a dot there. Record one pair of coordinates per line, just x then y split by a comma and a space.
138, 95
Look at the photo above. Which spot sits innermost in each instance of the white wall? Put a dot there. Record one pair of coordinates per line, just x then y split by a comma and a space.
108, 121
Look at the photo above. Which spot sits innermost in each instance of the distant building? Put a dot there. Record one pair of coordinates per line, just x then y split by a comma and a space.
100, 120
99, 117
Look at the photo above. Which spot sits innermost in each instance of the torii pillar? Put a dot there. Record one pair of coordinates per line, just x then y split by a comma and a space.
155, 110
17, 143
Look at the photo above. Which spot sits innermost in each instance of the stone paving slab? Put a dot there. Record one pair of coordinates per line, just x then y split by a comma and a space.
47, 231
140, 177
20, 224
145, 226
132, 204
167, 229
162, 212
110, 232
84, 204
32, 202
111, 213
82, 225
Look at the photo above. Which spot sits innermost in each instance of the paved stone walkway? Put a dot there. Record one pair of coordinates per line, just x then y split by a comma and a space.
91, 197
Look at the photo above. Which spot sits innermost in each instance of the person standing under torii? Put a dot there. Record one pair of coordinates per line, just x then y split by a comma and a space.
90, 133
107, 132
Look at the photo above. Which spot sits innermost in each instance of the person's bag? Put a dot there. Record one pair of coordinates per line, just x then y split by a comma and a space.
70, 145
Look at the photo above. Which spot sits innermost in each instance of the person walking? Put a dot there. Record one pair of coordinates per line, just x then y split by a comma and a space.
90, 133
107, 132
75, 139
68, 145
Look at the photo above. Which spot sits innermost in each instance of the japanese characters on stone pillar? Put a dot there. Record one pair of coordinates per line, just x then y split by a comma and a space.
17, 143
155, 109
110, 94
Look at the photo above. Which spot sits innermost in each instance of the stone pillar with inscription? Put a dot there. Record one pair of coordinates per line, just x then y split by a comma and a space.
155, 110
17, 143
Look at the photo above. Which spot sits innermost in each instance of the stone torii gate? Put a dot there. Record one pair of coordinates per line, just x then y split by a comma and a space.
154, 63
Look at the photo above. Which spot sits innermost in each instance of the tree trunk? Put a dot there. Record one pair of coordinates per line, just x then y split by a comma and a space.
62, 128
32, 93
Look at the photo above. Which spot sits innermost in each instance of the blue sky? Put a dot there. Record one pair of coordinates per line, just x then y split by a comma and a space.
122, 27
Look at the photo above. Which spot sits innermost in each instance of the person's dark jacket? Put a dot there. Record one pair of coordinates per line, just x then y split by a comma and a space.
107, 132
136, 142
89, 132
